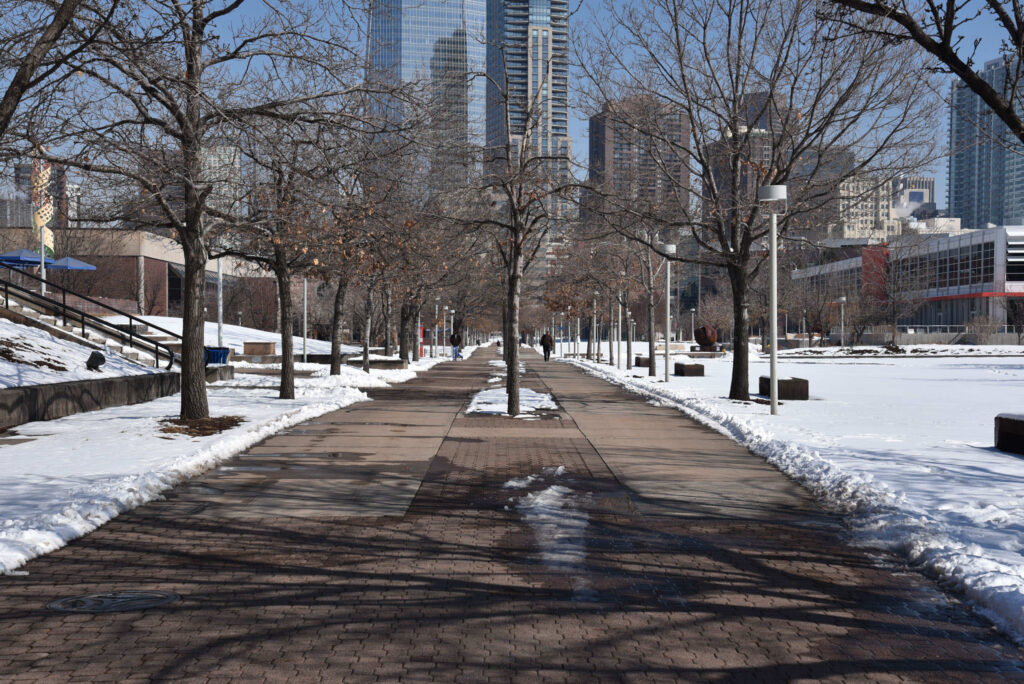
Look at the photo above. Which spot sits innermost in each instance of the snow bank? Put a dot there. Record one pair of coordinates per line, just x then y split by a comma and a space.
78, 472
902, 446
235, 335
30, 356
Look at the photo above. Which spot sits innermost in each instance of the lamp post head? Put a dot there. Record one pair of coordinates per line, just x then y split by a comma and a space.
842, 300
771, 193
668, 248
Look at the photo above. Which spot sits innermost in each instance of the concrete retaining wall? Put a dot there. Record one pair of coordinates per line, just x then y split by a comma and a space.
45, 402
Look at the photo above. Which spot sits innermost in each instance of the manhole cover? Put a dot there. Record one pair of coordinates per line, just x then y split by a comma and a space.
113, 602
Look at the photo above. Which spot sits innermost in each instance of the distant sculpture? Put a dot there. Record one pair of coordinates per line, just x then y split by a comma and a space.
706, 337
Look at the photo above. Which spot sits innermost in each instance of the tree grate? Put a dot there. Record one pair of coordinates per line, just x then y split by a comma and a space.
113, 602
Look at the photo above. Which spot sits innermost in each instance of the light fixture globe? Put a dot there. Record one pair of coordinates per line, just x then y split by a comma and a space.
771, 193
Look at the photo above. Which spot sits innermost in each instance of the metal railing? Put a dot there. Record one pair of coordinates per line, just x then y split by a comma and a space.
77, 316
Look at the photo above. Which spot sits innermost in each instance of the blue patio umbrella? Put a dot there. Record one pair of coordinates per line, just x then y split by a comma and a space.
22, 257
70, 264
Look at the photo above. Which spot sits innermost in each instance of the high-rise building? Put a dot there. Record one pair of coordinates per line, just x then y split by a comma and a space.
528, 75
986, 162
438, 44
639, 147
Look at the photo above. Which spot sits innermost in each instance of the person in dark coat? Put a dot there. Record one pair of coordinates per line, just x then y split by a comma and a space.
456, 340
547, 343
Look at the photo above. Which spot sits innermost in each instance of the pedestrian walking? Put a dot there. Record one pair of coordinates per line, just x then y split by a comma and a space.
456, 340
547, 343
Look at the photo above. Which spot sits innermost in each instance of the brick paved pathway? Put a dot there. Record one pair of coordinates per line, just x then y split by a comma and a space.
377, 543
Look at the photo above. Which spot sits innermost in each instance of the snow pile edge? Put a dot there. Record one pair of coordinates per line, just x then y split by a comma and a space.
996, 588
92, 507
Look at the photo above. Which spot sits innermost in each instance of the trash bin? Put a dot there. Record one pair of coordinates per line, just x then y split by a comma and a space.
216, 355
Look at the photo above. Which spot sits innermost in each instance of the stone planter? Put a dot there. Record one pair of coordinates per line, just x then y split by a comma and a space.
689, 369
1010, 432
790, 389
642, 362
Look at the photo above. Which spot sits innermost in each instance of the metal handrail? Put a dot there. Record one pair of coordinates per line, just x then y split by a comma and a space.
98, 322
65, 292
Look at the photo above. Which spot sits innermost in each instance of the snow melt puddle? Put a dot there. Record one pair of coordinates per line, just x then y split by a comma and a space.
558, 526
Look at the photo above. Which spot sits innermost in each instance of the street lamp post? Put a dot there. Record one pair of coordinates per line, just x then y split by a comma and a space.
444, 328
305, 308
670, 250
594, 348
629, 340
220, 303
842, 321
773, 193
693, 330
618, 330
433, 342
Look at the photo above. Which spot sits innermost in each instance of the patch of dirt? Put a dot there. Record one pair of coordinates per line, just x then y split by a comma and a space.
8, 352
200, 427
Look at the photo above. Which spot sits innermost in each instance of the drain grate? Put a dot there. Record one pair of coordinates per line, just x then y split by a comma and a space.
113, 602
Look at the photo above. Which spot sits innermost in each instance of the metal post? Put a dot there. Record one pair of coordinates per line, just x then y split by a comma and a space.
433, 343
305, 326
595, 352
444, 330
618, 330
842, 321
42, 259
693, 330
220, 303
773, 314
669, 249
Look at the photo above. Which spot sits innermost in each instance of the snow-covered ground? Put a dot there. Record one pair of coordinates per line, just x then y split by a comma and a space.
29, 356
912, 350
903, 445
236, 335
78, 472
495, 401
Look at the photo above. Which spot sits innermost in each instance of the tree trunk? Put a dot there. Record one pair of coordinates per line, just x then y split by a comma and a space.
367, 326
739, 387
629, 345
284, 289
194, 404
417, 310
404, 329
651, 354
506, 329
387, 321
338, 324
512, 368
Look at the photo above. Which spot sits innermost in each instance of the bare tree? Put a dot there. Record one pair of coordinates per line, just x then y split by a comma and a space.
166, 87
772, 96
36, 46
938, 29
528, 187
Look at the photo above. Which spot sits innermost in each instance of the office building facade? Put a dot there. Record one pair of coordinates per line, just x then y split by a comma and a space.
440, 46
986, 163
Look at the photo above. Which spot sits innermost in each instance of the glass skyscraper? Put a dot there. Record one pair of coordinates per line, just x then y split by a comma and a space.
528, 66
986, 162
441, 45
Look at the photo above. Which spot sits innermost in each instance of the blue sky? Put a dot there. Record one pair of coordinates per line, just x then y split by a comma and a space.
984, 28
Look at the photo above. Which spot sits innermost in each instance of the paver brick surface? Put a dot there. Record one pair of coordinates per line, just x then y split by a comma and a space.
679, 557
